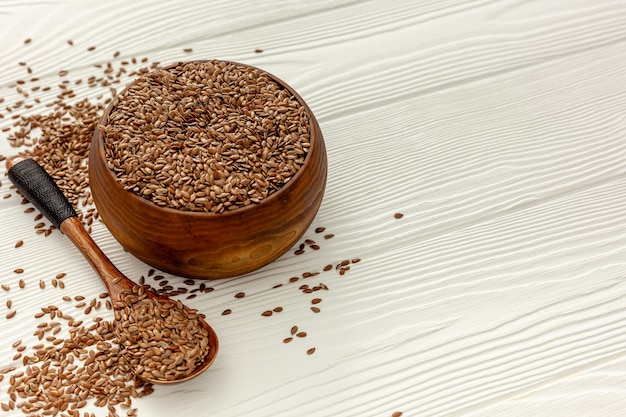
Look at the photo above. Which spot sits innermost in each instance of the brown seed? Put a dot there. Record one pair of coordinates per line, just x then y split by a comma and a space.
42, 284
316, 301
70, 42
6, 287
27, 41
267, 313
187, 50
258, 51
60, 275
314, 247
240, 295
398, 215
226, 312
294, 329
277, 309
9, 303
396, 414
19, 243
301, 334
315, 309
320, 229
287, 339
329, 236
328, 267
310, 351
91, 48
19, 270
11, 314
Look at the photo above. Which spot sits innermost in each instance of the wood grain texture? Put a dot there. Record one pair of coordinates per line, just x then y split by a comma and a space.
495, 126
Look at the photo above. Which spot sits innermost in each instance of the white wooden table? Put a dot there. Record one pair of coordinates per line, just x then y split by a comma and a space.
497, 127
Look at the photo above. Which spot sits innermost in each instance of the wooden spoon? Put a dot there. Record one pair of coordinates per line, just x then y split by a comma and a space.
38, 187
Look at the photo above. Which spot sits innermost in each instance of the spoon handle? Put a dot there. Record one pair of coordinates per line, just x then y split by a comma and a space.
39, 188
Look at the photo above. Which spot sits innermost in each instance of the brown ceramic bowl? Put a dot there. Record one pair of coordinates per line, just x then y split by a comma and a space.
209, 245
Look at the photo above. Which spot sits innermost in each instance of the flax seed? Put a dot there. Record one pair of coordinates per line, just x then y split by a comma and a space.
310, 351
226, 312
19, 243
18, 270
247, 158
267, 313
398, 215
11, 314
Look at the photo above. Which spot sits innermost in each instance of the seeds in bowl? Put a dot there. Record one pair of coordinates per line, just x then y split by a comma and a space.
205, 136
160, 339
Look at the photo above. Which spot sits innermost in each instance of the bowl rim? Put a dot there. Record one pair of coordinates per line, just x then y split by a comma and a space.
314, 133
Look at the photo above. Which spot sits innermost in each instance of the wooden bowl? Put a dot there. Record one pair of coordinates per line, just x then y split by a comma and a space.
209, 245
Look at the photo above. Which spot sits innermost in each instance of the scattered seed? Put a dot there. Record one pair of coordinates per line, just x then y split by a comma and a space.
258, 51
6, 287
19, 243
42, 284
301, 334
27, 41
396, 414
267, 313
315, 309
329, 236
187, 50
398, 215
287, 339
11, 314
226, 312
316, 301
277, 309
310, 351
240, 295
19, 270
294, 329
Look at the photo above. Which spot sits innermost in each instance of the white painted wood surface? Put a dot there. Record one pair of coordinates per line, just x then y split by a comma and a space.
496, 126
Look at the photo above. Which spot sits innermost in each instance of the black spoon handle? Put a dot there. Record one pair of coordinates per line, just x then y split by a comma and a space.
39, 188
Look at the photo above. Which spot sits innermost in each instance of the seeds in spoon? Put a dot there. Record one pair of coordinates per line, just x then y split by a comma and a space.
161, 339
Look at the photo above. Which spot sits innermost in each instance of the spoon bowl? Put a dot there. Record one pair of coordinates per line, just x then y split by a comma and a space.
40, 189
